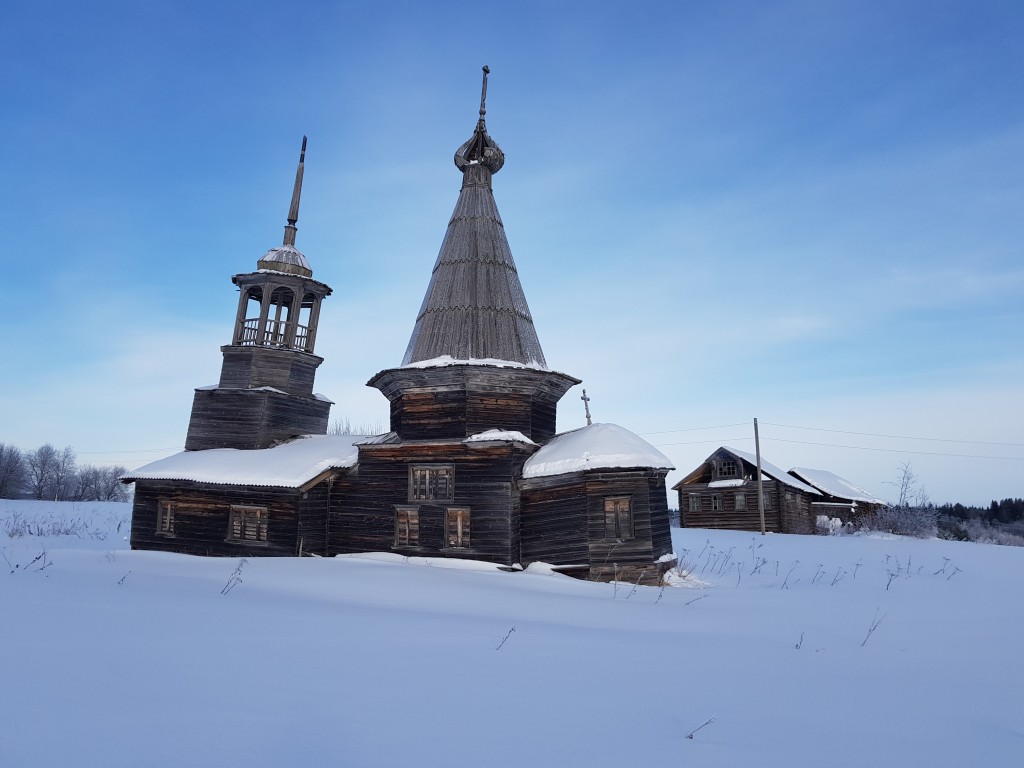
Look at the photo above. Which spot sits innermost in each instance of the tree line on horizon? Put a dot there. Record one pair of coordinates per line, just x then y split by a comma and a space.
47, 473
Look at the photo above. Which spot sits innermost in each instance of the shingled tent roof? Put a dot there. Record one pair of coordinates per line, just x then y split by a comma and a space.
475, 307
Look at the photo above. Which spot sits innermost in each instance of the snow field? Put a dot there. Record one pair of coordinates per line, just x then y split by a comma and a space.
114, 657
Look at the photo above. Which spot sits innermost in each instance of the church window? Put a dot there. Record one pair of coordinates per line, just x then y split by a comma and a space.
431, 482
165, 518
407, 526
618, 517
695, 502
456, 524
248, 524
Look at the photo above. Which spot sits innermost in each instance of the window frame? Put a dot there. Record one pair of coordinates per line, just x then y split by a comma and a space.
410, 528
462, 528
716, 502
429, 486
260, 524
613, 527
740, 501
694, 502
731, 464
165, 518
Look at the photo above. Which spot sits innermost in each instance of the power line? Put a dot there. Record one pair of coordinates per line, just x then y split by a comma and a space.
895, 437
693, 429
898, 450
705, 442
137, 450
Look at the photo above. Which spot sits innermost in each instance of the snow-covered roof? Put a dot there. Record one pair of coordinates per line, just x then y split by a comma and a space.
731, 483
443, 360
833, 485
767, 468
499, 435
598, 446
289, 465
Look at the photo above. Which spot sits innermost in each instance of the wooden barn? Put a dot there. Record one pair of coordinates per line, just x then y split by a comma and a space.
840, 498
472, 466
722, 493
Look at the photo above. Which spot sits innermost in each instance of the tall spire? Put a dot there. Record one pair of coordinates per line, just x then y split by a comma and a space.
286, 257
483, 100
293, 211
474, 307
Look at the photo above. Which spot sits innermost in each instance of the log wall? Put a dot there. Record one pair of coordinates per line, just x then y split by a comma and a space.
252, 418
729, 517
202, 517
363, 510
563, 523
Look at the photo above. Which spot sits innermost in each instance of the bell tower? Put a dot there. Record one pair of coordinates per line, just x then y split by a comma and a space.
265, 393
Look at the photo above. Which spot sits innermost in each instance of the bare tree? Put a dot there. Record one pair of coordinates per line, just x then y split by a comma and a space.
12, 472
912, 514
64, 475
344, 426
100, 484
41, 465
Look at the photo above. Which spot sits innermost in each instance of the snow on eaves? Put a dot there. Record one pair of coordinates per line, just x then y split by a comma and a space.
833, 485
499, 435
774, 472
445, 360
289, 465
598, 446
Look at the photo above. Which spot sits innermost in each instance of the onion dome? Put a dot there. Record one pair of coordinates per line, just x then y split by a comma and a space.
481, 149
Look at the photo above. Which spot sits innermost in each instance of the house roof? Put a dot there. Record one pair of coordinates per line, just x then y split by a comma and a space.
774, 472
832, 484
767, 468
289, 465
474, 307
597, 446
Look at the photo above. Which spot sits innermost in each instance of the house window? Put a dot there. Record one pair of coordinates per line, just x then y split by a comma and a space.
456, 526
165, 518
695, 502
433, 481
716, 502
741, 502
767, 501
407, 526
727, 468
618, 517
248, 524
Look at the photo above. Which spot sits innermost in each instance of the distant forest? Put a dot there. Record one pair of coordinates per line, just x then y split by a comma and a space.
55, 475
1005, 511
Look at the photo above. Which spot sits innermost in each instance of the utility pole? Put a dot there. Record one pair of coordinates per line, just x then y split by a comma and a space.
760, 487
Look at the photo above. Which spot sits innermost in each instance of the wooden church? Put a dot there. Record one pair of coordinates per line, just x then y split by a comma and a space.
472, 466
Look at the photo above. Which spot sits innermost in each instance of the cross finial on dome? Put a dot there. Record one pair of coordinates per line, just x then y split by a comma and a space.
481, 150
293, 210
483, 95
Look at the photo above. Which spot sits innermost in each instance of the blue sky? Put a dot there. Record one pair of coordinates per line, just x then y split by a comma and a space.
806, 212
